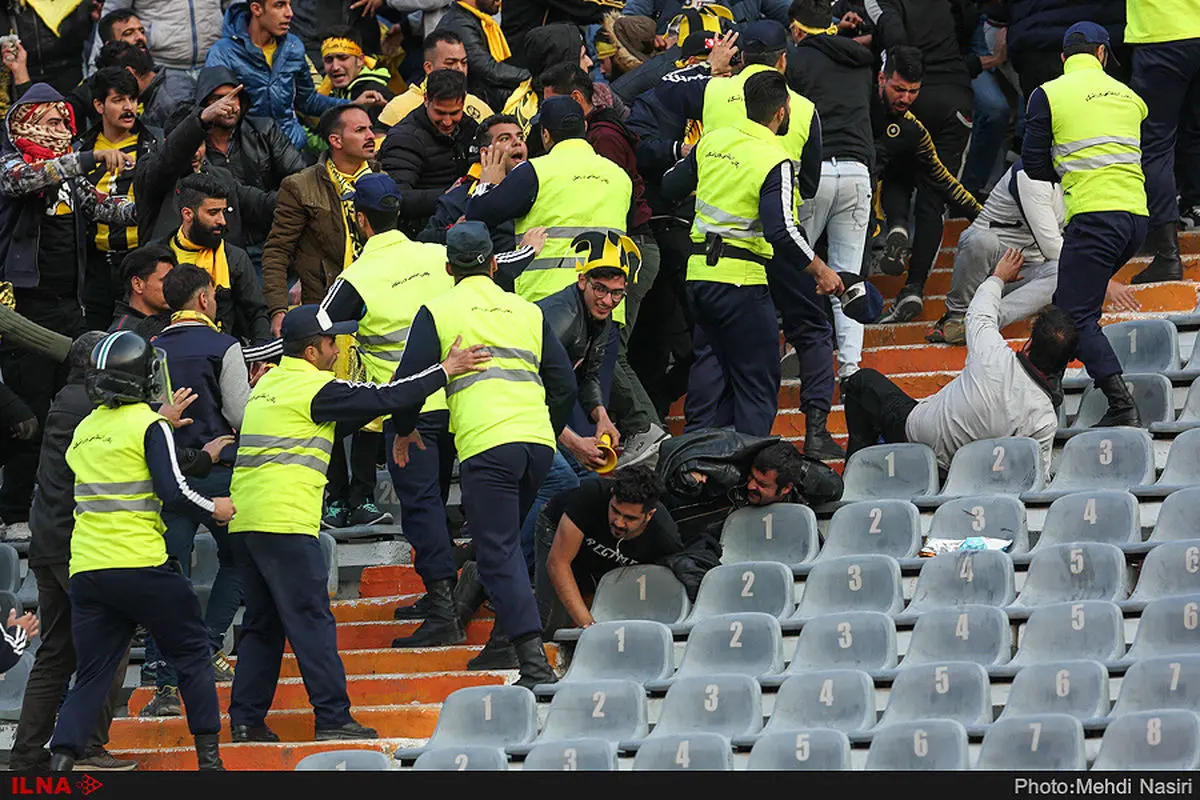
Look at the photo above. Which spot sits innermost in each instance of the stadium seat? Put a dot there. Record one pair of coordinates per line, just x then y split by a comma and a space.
12, 686
10, 569
1008, 465
572, 755
995, 516
1103, 458
686, 751
902, 471
638, 650
28, 593
863, 640
1172, 568
10, 602
749, 643
841, 699
468, 758
329, 550
1072, 572
783, 532
1152, 393
1182, 469
851, 583
962, 577
1177, 520
1189, 417
956, 690
817, 749
1078, 688
1141, 345
887, 527
346, 760
928, 744
613, 710
489, 716
205, 563
1168, 626
1152, 740
730, 705
1154, 683
764, 586
977, 633
1105, 515
1090, 630
643, 591
1033, 742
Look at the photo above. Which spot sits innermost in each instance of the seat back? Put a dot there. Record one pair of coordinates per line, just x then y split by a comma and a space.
1078, 688
685, 751
12, 687
1152, 394
1106, 515
467, 758
643, 591
981, 634
1035, 742
841, 699
1166, 739
852, 583
902, 471
492, 716
1072, 572
863, 640
956, 690
346, 761
730, 705
888, 527
961, 577
783, 532
928, 744
1166, 682
764, 586
1177, 517
205, 562
639, 650
10, 568
1183, 460
613, 710
1106, 458
1089, 629
573, 755
750, 643
1007, 465
816, 749
997, 516
1171, 568
1168, 626
1145, 345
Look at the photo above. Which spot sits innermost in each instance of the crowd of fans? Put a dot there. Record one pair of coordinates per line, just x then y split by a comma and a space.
170, 166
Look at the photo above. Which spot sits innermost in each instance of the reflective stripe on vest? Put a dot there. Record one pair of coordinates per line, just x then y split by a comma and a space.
505, 403
283, 455
117, 513
1096, 123
578, 191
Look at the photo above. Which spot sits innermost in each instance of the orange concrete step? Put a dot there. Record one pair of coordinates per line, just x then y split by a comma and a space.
389, 580
371, 635
249, 756
370, 609
402, 661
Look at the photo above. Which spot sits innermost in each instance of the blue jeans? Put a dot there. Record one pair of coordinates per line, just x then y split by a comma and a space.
560, 478
990, 120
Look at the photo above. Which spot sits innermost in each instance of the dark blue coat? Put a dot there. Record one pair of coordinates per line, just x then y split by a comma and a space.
1039, 25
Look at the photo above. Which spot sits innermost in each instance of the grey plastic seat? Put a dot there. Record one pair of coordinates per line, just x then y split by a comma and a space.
1152, 740
1182, 469
1072, 572
816, 749
995, 516
1107, 515
467, 758
204, 560
10, 602
1172, 568
346, 761
730, 705
1091, 630
841, 699
685, 751
28, 593
881, 471
573, 755
1152, 393
1006, 465
977, 633
783, 532
1154, 683
490, 716
887, 527
12, 686
638, 650
1141, 345
1103, 458
864, 640
956, 690
1033, 742
10, 568
851, 583
643, 591
764, 586
962, 577
1078, 688
1168, 626
1177, 520
613, 710
928, 744
744, 644
1189, 417
329, 551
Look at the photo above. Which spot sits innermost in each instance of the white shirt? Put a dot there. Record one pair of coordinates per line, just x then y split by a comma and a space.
1034, 224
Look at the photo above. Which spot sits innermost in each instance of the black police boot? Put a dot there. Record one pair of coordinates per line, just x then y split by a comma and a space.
498, 653
469, 593
535, 667
1163, 243
252, 733
818, 442
418, 610
208, 752
1122, 410
62, 761
441, 625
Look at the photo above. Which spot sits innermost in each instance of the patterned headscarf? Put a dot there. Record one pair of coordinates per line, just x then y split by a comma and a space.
36, 141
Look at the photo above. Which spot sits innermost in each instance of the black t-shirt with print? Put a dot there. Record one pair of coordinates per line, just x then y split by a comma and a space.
600, 551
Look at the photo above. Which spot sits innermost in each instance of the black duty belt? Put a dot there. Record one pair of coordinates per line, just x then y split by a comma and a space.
726, 250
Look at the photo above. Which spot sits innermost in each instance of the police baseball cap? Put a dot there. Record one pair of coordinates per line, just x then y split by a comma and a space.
762, 36
377, 191
699, 43
1089, 33
860, 300
469, 244
305, 322
559, 113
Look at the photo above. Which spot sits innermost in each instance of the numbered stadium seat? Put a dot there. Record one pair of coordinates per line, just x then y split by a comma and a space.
840, 699
1151, 740
730, 705
783, 532
613, 710
851, 583
816, 749
1072, 572
1091, 630
1006, 465
1152, 393
977, 633
1177, 520
488, 716
1189, 417
1141, 345
763, 586
1103, 458
1078, 688
864, 640
1107, 515
10, 568
686, 751
956, 690
572, 755
1170, 569
995, 516
902, 471
644, 591
750, 643
962, 577
884, 527
1034, 742
467, 758
928, 744
1168, 626
638, 650
1156, 683
12, 686
1181, 471
346, 760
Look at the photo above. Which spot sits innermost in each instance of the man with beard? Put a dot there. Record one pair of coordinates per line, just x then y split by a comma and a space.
349, 71
487, 49
241, 312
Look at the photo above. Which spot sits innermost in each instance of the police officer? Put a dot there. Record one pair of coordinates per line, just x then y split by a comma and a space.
505, 422
278, 478
1084, 129
745, 217
123, 457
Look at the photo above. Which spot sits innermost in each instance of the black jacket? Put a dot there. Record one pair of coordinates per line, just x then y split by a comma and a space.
425, 162
645, 77
487, 78
56, 60
451, 206
524, 16
836, 74
127, 318
1039, 25
585, 339
940, 29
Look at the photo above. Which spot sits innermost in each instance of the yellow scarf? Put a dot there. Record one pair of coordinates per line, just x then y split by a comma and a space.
211, 261
326, 87
344, 184
53, 12
187, 315
497, 44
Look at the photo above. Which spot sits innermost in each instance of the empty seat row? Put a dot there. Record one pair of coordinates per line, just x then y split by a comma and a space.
1146, 345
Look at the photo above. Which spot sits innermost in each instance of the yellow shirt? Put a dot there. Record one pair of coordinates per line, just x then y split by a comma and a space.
269, 51
402, 105
116, 238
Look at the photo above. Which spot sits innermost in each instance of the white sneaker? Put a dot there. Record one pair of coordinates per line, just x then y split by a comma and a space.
641, 446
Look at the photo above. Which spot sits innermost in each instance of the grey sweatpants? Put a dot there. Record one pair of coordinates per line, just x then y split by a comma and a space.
979, 250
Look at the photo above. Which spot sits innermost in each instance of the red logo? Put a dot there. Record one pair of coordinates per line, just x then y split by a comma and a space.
61, 785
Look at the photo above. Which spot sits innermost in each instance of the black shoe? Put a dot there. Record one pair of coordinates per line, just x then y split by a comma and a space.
908, 306
252, 733
469, 593
498, 653
818, 443
895, 252
441, 626
62, 762
208, 752
369, 514
418, 610
351, 730
1122, 410
1163, 243
100, 760
336, 516
535, 668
